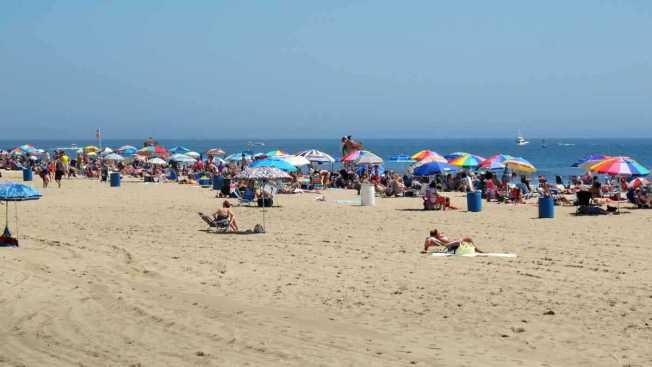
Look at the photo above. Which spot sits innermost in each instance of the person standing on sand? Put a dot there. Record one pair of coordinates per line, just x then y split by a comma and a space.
59, 171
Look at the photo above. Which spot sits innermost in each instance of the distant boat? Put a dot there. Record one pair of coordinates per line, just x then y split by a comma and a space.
543, 143
520, 140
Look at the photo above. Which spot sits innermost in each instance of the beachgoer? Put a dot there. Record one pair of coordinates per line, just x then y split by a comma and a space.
225, 213
59, 171
437, 239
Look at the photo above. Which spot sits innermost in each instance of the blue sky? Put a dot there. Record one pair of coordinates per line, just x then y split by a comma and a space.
274, 69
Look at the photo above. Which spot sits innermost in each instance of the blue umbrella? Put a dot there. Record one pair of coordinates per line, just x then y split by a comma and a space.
276, 163
237, 157
14, 192
178, 150
434, 168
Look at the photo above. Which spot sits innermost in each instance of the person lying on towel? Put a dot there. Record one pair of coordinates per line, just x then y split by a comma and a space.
438, 239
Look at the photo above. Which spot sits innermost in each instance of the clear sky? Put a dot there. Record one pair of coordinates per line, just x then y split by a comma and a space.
275, 69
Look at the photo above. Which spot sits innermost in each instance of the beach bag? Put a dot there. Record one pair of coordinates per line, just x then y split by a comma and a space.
259, 229
465, 249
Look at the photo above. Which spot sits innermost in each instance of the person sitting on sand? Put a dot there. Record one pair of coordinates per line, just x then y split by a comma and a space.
226, 214
437, 239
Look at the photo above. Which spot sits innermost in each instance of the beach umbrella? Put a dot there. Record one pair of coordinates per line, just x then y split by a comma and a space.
317, 156
434, 168
274, 163
428, 154
23, 150
466, 161
127, 150
114, 157
620, 166
294, 160
263, 174
193, 154
638, 182
176, 150
401, 158
11, 191
151, 151
520, 165
369, 158
91, 149
157, 162
275, 153
495, 162
218, 160
590, 160
182, 158
215, 151
237, 157
106, 151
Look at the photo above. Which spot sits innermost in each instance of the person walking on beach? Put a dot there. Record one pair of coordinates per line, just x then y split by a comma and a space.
59, 171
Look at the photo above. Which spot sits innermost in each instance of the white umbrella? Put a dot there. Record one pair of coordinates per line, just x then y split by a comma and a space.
263, 174
369, 158
182, 158
193, 155
295, 160
113, 157
106, 151
314, 155
157, 162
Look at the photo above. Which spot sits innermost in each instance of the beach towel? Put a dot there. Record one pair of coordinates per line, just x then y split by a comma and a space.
474, 254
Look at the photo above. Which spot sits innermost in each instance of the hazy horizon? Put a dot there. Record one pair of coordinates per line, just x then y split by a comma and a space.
373, 69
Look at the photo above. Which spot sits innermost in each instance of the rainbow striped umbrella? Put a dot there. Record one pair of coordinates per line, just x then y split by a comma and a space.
495, 161
590, 160
620, 166
466, 161
428, 154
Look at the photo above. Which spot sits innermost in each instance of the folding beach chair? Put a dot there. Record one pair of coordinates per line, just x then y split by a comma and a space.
249, 197
219, 225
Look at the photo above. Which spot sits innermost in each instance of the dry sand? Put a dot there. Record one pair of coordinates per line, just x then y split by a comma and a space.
129, 277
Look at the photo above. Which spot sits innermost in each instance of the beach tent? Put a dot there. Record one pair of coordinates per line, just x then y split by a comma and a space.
15, 192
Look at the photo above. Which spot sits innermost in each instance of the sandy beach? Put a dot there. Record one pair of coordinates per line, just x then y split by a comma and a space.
129, 276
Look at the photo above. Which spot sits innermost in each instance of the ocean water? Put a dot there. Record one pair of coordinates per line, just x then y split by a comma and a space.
554, 159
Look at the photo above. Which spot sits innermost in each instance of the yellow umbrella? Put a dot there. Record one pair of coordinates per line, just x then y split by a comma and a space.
518, 164
91, 149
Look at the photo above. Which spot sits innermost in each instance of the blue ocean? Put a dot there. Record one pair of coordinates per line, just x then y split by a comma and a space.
551, 156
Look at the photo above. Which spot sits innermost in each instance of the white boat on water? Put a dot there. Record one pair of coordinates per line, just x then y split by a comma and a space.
520, 140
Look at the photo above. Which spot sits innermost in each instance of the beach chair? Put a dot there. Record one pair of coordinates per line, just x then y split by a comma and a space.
248, 198
219, 225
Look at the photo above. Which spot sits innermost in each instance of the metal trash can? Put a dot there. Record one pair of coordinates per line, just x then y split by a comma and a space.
474, 201
27, 174
218, 182
204, 181
546, 207
114, 178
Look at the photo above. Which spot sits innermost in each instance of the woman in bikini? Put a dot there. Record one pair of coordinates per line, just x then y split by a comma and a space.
437, 239
225, 214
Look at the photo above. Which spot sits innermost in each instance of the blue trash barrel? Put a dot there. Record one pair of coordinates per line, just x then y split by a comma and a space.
204, 181
27, 174
546, 207
115, 179
173, 175
474, 201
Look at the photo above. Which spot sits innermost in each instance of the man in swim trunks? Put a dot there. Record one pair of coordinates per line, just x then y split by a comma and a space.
59, 171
